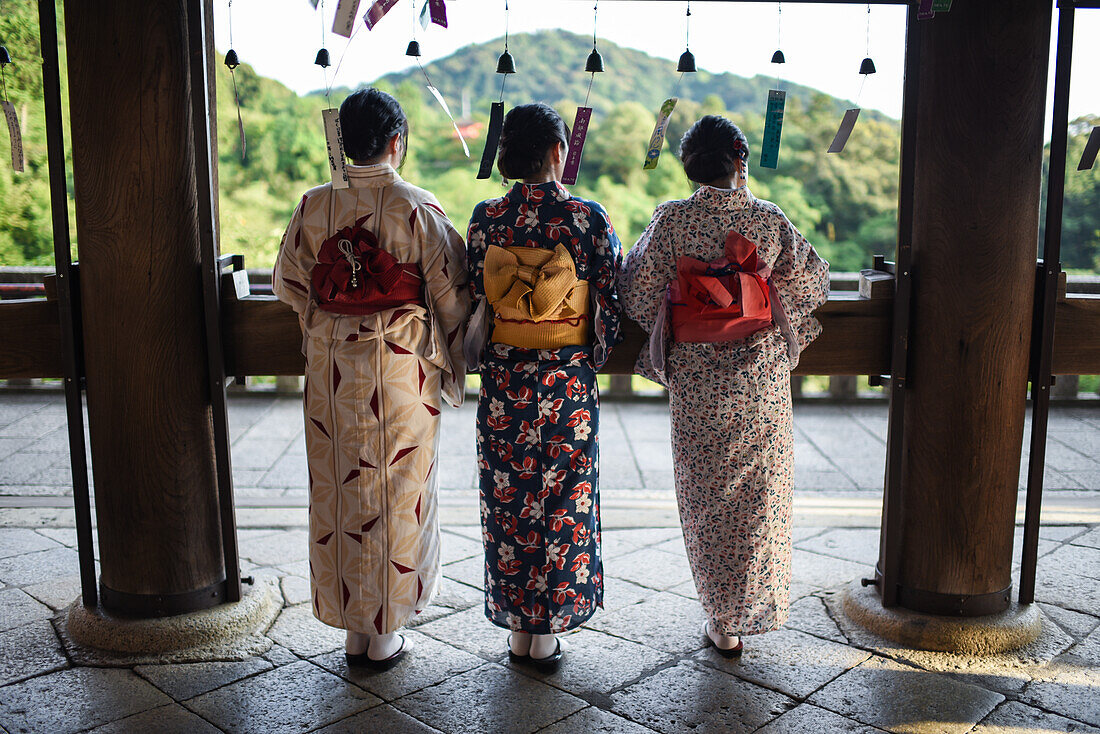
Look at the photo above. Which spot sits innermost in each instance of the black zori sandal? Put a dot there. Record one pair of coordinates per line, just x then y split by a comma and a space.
728, 653
363, 660
551, 662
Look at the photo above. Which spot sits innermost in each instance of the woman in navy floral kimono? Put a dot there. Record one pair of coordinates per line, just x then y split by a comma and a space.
542, 271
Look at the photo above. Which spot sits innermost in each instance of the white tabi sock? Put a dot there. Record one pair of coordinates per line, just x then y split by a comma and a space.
382, 646
543, 646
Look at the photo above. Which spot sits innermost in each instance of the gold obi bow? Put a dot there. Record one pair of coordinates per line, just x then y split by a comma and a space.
537, 299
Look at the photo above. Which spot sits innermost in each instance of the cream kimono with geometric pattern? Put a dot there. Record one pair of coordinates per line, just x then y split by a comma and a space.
372, 402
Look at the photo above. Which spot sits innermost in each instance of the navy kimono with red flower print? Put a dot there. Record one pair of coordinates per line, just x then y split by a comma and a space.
538, 422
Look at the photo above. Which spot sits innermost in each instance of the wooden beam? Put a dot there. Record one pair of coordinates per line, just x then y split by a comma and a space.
30, 332
1077, 336
262, 337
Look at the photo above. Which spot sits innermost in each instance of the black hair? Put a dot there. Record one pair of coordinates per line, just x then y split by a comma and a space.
529, 131
368, 119
713, 148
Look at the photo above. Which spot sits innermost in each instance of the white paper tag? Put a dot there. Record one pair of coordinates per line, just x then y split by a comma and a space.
334, 140
14, 134
443, 104
240, 284
344, 21
845, 130
425, 15
314, 3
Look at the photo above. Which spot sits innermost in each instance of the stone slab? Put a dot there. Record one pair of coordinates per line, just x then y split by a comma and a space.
900, 698
43, 565
469, 630
597, 663
187, 680
859, 545
595, 721
18, 608
618, 594
455, 547
1013, 717
383, 719
470, 571
787, 661
57, 593
281, 700
18, 541
825, 572
489, 699
663, 621
810, 718
698, 699
76, 699
651, 568
172, 719
295, 590
30, 650
1076, 624
276, 550
303, 634
428, 662
809, 614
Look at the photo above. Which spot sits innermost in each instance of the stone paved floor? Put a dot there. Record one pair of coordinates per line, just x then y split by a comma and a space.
640, 665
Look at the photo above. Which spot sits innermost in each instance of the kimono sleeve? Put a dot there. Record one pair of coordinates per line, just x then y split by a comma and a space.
291, 277
643, 280
801, 278
442, 265
477, 331
607, 258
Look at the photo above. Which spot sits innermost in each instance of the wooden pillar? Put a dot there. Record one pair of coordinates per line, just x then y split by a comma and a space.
977, 182
141, 294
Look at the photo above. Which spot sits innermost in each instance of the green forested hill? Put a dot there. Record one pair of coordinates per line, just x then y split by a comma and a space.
845, 204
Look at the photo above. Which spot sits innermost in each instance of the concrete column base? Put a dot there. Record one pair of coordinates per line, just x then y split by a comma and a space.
225, 632
1012, 629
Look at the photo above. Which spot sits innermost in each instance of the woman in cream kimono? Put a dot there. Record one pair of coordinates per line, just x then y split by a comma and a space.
729, 388
376, 274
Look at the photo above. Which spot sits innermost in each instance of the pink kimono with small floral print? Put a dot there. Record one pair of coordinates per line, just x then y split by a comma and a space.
732, 433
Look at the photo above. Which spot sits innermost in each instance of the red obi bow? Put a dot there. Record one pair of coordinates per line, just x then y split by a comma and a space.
353, 275
723, 300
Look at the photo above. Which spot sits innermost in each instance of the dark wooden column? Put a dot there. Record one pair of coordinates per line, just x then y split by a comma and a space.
979, 159
148, 397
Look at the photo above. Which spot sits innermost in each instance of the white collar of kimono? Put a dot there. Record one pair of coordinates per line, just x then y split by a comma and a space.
739, 197
376, 174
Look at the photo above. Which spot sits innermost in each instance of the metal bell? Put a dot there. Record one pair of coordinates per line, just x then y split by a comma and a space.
687, 62
506, 64
594, 63
778, 57
867, 67
5, 59
323, 59
413, 49
231, 60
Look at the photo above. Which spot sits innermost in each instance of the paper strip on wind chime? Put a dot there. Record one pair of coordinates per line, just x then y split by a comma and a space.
15, 135
443, 104
657, 139
343, 21
377, 11
492, 140
1088, 155
438, 12
845, 130
576, 145
334, 141
773, 129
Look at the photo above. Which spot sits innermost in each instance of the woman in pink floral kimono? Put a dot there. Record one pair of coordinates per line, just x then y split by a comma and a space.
725, 353
377, 275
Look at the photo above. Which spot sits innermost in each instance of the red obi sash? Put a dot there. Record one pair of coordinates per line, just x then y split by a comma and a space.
724, 300
355, 276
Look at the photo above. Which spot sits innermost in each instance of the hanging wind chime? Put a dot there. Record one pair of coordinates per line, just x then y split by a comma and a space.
232, 62
866, 68
413, 50
505, 65
15, 135
777, 100
593, 66
684, 66
330, 116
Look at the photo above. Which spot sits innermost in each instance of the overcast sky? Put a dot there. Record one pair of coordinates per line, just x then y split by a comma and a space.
823, 43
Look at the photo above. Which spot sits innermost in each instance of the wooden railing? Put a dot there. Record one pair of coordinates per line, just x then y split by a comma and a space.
262, 341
